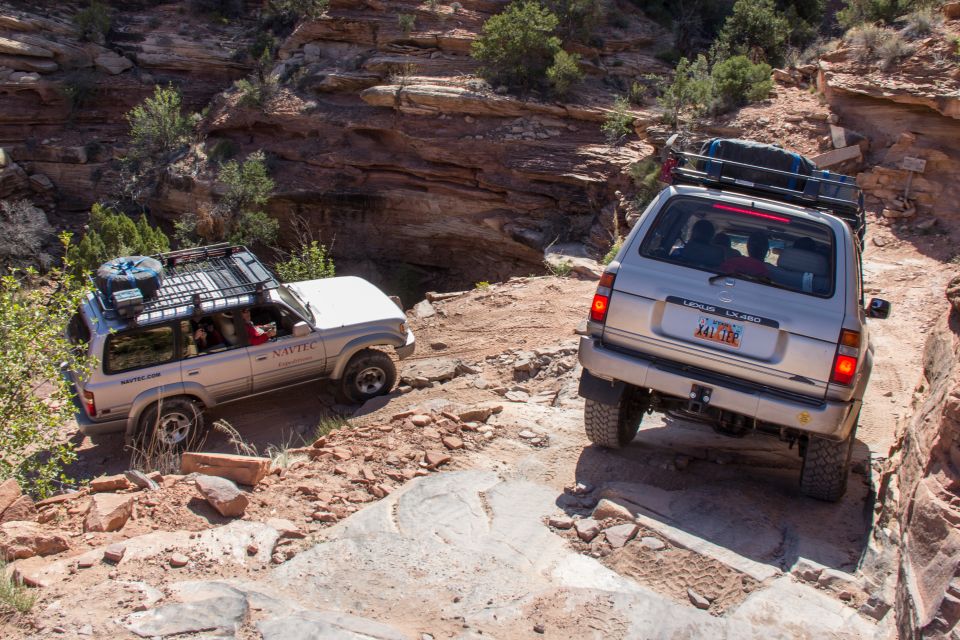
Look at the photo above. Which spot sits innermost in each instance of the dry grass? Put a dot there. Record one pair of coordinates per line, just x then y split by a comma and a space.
15, 598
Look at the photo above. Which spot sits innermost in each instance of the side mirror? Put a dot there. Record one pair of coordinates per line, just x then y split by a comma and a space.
300, 329
878, 308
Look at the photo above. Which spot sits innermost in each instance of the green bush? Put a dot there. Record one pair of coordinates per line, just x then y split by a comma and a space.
157, 126
222, 150
565, 72
576, 19
618, 121
34, 316
518, 46
238, 217
612, 253
299, 9
111, 235
645, 176
407, 22
755, 28
688, 94
860, 11
93, 22
310, 261
737, 81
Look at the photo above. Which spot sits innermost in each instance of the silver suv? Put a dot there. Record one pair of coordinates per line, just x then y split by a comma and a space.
738, 303
222, 328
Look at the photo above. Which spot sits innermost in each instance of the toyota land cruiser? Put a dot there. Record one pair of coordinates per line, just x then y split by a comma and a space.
192, 345
738, 302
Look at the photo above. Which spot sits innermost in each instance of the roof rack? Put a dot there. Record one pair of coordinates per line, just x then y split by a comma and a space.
832, 192
220, 276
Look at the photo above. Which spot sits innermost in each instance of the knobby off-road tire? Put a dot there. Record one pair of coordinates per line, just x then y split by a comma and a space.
172, 424
615, 426
370, 373
826, 467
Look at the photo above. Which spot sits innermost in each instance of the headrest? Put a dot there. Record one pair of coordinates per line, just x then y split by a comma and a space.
805, 261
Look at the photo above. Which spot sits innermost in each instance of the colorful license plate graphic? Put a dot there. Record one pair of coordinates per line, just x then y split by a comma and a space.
720, 331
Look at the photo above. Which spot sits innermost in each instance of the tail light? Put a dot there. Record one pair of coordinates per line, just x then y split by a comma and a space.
89, 403
845, 362
666, 170
601, 299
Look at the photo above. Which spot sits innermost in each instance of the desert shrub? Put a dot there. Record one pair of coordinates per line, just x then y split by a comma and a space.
15, 597
564, 72
645, 176
238, 217
860, 11
892, 49
221, 8
24, 230
33, 320
407, 22
483, 285
612, 253
618, 121
79, 87
637, 93
865, 39
93, 22
111, 235
299, 9
921, 23
518, 46
456, 7
576, 19
755, 28
737, 81
157, 126
688, 93
310, 261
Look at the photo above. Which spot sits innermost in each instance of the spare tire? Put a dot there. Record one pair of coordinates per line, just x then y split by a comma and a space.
130, 272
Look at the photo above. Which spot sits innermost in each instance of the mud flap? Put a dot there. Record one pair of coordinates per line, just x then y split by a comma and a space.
600, 390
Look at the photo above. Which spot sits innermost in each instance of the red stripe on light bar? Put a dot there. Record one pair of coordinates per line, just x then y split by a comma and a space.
767, 216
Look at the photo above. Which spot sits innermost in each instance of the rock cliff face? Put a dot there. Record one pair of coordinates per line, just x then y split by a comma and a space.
911, 109
388, 145
924, 495
382, 139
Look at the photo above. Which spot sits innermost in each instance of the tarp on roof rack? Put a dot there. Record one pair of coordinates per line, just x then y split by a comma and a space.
761, 155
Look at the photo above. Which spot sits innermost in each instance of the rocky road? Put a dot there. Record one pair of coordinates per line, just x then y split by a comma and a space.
531, 533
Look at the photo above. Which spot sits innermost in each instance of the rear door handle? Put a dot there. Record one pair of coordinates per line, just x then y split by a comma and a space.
261, 358
194, 372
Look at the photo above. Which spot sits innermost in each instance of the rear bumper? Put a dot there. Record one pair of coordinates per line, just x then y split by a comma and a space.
828, 419
90, 427
408, 348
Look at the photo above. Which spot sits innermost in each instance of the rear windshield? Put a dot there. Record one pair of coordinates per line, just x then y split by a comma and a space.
754, 244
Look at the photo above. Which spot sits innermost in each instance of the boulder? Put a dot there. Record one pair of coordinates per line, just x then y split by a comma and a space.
223, 495
9, 493
610, 509
112, 63
27, 63
620, 534
27, 539
109, 483
424, 372
21, 509
587, 529
108, 512
15, 48
249, 470
951, 10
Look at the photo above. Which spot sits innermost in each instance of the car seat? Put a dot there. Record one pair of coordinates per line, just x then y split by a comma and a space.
804, 269
701, 253
224, 323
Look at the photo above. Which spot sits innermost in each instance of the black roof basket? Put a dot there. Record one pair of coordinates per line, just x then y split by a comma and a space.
831, 192
220, 276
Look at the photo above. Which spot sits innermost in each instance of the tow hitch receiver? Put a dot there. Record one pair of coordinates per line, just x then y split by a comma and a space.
699, 398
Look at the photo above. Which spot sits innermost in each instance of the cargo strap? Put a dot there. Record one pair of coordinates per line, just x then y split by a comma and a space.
127, 269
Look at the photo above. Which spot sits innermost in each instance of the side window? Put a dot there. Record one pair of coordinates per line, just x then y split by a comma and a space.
137, 349
209, 334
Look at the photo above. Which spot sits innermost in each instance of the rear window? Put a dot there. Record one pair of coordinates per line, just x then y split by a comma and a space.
751, 243
138, 349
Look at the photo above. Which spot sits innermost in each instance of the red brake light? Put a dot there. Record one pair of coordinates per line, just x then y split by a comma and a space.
91, 406
598, 310
844, 368
601, 300
766, 216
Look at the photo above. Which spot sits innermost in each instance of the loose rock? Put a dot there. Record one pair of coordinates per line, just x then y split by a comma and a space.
109, 483
698, 600
560, 522
19, 539
587, 529
114, 553
108, 512
178, 560
620, 534
223, 495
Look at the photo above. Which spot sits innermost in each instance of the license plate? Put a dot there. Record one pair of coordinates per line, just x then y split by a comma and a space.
712, 330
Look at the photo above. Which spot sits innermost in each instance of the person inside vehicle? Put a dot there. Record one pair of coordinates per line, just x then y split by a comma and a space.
753, 264
257, 334
724, 241
699, 249
206, 335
